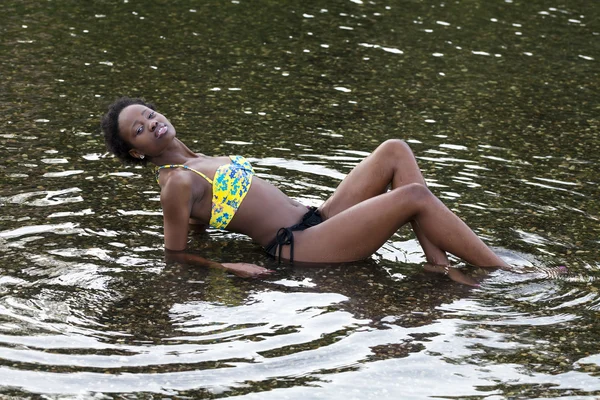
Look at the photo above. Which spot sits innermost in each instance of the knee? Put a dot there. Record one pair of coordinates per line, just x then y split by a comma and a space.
414, 193
395, 148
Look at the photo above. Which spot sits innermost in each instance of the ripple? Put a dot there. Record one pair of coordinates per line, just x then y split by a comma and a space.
51, 197
54, 160
62, 174
302, 319
61, 229
302, 166
384, 48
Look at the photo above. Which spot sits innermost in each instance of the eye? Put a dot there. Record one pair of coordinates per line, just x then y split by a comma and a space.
151, 115
139, 130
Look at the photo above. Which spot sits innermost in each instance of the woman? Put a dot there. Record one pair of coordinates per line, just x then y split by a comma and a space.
351, 225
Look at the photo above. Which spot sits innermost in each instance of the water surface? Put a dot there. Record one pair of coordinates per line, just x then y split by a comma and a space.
497, 99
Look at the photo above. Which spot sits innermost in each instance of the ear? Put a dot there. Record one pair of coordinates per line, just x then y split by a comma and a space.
136, 154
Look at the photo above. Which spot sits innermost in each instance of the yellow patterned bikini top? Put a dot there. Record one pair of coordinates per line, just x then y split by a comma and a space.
229, 188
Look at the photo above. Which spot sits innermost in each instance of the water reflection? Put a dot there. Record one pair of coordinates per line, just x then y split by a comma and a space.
204, 330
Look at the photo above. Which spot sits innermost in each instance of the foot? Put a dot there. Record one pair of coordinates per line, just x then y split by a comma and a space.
453, 273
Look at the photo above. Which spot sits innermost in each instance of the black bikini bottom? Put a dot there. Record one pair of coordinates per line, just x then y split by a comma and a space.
285, 236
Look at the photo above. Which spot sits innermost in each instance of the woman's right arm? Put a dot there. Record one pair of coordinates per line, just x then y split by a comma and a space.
244, 270
177, 201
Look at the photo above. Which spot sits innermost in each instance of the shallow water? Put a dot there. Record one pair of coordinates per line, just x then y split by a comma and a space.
497, 99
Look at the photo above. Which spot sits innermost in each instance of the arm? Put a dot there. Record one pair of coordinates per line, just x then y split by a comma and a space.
244, 270
177, 200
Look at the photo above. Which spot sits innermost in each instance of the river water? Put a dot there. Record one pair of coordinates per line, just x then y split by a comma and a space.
498, 99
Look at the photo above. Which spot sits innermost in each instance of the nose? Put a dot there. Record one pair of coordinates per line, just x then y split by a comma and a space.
152, 125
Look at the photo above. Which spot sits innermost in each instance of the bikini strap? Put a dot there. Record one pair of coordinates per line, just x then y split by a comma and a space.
157, 171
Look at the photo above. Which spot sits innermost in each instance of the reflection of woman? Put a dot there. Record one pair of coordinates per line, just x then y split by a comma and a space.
225, 193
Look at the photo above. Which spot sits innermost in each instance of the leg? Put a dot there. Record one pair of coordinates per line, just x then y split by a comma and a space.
392, 163
358, 231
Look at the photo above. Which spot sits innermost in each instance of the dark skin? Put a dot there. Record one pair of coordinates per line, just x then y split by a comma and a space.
359, 217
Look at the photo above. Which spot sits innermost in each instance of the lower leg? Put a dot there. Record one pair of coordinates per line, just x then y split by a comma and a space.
449, 233
452, 235
433, 254
406, 171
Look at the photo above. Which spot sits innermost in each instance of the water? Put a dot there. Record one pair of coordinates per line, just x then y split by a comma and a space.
497, 99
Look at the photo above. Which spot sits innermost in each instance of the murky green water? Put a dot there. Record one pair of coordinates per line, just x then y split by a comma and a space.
498, 99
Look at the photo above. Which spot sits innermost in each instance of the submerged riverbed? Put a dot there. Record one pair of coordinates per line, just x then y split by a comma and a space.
499, 101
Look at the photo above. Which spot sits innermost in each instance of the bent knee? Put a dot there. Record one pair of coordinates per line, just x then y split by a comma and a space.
415, 193
395, 148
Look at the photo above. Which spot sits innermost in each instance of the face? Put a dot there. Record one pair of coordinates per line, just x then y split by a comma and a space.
147, 131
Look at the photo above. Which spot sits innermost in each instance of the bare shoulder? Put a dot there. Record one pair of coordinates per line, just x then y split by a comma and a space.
177, 187
176, 177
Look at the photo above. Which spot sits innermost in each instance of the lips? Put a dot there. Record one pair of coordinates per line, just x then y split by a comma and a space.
160, 130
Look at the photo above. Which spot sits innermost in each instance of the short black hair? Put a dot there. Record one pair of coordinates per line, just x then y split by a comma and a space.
110, 127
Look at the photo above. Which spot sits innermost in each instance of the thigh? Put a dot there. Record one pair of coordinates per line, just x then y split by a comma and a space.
370, 178
392, 164
358, 231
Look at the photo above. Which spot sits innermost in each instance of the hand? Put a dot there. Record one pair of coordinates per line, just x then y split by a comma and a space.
246, 270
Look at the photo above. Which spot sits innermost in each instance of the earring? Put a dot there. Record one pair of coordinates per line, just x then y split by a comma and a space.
142, 156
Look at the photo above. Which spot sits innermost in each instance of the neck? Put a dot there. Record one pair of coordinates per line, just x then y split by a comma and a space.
176, 153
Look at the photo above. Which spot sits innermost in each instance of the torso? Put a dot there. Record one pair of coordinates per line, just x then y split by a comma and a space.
263, 211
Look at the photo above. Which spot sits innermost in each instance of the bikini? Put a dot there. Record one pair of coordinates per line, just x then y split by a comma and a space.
230, 186
285, 236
